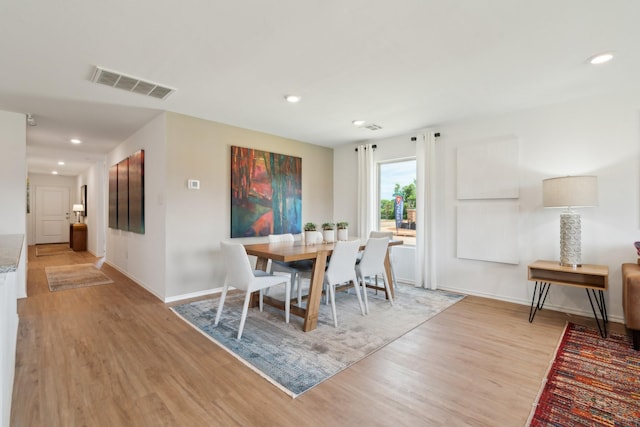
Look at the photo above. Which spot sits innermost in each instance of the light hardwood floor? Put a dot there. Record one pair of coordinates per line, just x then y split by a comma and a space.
114, 355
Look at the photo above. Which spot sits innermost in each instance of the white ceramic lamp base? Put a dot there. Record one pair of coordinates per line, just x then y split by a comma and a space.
570, 240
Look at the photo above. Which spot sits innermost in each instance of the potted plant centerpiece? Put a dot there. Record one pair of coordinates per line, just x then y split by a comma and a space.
328, 232
309, 233
343, 230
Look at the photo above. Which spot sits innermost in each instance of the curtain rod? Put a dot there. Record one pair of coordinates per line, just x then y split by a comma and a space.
374, 146
413, 138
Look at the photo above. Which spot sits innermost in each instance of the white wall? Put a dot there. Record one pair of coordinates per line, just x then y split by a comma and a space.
599, 136
177, 257
13, 173
95, 178
142, 256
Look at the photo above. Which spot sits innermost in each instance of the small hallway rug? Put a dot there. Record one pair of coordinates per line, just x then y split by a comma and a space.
295, 361
591, 382
64, 277
52, 249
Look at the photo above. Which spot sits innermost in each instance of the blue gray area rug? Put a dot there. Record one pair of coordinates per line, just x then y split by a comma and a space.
295, 361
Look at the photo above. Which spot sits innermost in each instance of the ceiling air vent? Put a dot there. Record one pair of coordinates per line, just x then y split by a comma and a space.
130, 83
373, 127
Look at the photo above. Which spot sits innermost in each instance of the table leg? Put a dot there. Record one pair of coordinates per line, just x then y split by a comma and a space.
315, 292
542, 297
387, 267
599, 299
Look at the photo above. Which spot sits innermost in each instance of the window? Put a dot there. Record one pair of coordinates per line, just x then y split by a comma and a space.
397, 184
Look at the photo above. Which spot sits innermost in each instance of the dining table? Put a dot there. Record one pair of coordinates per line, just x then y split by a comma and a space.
319, 254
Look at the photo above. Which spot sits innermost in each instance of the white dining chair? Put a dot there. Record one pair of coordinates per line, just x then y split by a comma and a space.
240, 275
342, 270
372, 264
389, 235
296, 269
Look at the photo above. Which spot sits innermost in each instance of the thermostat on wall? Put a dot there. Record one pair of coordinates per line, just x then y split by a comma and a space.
193, 184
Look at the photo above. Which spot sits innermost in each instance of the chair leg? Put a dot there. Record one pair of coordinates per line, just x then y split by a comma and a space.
356, 287
245, 310
636, 339
223, 295
287, 301
295, 277
332, 297
386, 286
363, 282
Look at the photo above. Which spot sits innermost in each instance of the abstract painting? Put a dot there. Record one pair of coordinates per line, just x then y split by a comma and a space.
266, 193
126, 194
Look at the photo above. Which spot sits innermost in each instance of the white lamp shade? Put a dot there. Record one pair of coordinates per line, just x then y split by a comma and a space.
78, 208
570, 191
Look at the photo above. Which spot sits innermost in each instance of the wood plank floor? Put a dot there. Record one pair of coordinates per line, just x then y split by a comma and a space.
114, 355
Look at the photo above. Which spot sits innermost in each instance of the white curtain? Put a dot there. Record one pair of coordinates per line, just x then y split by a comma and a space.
366, 191
425, 266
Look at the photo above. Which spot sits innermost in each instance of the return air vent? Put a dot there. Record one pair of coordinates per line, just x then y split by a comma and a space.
373, 127
130, 84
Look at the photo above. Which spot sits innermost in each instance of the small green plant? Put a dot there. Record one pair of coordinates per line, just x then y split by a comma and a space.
310, 226
328, 226
342, 225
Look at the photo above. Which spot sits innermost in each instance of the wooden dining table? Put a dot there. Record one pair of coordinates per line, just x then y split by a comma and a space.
297, 251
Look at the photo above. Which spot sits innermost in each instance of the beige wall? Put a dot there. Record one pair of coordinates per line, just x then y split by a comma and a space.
197, 220
178, 257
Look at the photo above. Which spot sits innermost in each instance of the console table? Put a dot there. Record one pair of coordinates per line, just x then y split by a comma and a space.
78, 237
593, 278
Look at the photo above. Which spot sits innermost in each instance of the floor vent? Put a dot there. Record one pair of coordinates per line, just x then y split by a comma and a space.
130, 83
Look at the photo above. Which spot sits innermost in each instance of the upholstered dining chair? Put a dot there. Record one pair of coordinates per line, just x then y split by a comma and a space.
240, 275
341, 269
297, 269
389, 235
372, 264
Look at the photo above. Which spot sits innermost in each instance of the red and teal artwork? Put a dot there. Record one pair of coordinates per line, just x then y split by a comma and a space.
266, 193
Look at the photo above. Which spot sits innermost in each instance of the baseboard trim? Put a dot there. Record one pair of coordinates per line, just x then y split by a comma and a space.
552, 307
135, 280
192, 295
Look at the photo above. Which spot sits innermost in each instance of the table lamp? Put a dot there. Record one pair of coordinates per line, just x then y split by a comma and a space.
77, 208
570, 192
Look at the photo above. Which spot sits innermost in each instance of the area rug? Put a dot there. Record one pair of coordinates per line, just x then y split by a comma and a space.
75, 276
591, 382
295, 361
53, 249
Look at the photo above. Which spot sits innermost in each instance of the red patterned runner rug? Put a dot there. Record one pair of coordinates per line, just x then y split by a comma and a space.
591, 382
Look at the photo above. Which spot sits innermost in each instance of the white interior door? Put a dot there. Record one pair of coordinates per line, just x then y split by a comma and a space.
52, 215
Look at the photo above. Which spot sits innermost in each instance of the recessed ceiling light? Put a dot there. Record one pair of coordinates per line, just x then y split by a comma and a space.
601, 58
61, 163
292, 98
54, 172
358, 122
76, 141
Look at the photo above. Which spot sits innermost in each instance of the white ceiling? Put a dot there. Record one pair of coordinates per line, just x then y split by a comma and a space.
403, 65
